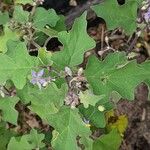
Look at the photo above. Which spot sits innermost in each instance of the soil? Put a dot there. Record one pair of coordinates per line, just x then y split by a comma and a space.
137, 136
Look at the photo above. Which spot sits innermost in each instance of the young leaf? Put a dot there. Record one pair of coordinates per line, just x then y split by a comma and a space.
114, 75
20, 15
16, 64
7, 105
88, 98
76, 42
8, 35
4, 18
68, 125
110, 141
116, 15
43, 17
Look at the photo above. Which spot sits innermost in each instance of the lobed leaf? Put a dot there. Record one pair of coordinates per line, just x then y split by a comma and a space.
116, 15
68, 126
27, 142
114, 74
75, 43
109, 141
88, 98
9, 113
20, 15
8, 35
43, 17
16, 64
45, 101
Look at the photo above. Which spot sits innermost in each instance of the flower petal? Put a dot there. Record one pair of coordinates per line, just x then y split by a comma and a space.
33, 81
40, 73
42, 81
34, 74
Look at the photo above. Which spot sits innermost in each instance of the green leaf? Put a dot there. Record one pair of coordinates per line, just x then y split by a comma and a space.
87, 142
76, 43
45, 101
68, 126
20, 15
110, 141
27, 142
116, 15
95, 117
35, 139
43, 17
96, 114
24, 2
40, 38
8, 35
114, 74
16, 64
5, 136
14, 144
88, 98
4, 18
45, 57
9, 113
60, 26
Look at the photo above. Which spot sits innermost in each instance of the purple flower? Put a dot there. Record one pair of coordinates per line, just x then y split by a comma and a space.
38, 79
147, 15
